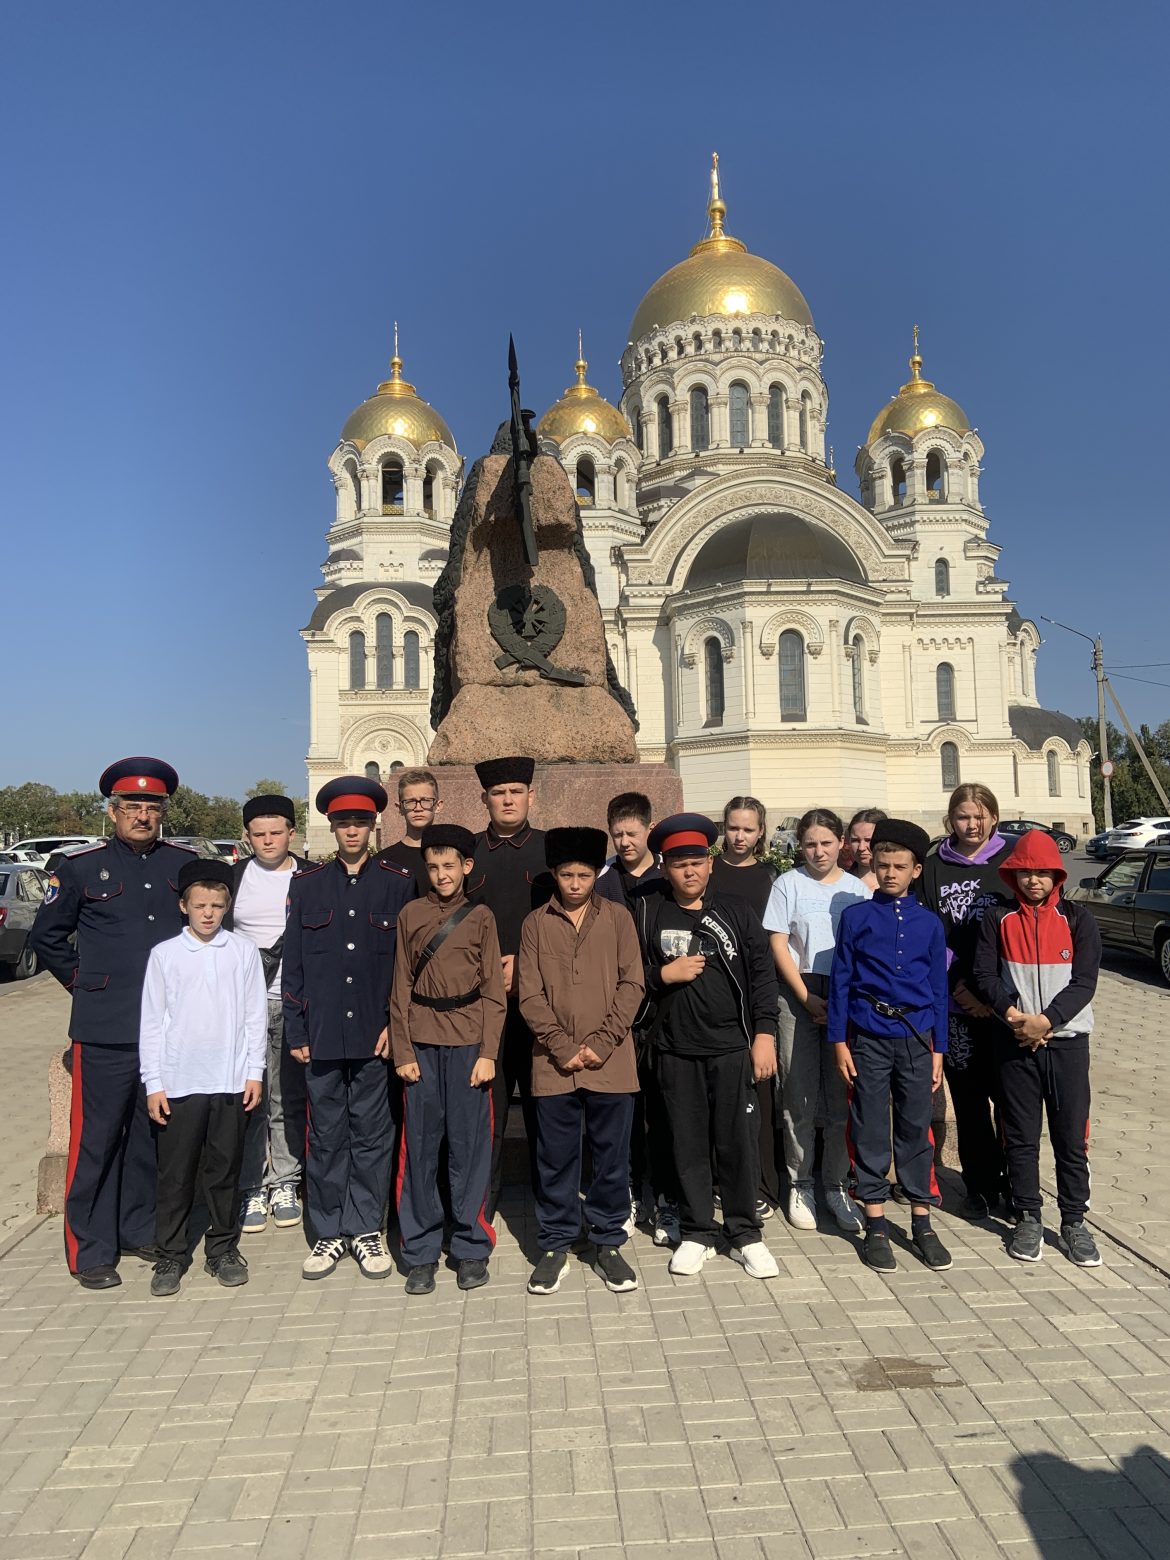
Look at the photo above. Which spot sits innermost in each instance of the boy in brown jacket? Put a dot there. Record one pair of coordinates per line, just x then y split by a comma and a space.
446, 1017
581, 983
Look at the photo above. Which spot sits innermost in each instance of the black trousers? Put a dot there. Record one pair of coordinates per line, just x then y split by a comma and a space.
711, 1101
442, 1107
973, 1081
513, 1071
770, 1159
607, 1119
651, 1150
1054, 1079
112, 1167
350, 1148
892, 1073
207, 1127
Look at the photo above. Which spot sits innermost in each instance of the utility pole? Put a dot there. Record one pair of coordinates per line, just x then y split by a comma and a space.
1104, 765
1141, 752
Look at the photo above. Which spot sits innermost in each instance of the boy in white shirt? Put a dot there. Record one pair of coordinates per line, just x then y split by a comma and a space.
201, 1051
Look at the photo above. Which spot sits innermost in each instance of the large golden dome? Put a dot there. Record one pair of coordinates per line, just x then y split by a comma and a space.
398, 411
720, 277
918, 406
582, 410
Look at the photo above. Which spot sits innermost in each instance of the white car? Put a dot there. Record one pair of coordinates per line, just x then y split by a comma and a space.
43, 846
1137, 833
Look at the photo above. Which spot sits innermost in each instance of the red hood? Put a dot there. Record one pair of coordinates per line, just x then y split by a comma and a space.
1038, 851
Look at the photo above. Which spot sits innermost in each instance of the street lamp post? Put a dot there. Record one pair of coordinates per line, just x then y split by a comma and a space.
1105, 767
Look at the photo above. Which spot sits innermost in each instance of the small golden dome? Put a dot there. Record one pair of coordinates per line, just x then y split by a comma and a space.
918, 406
583, 410
719, 277
397, 411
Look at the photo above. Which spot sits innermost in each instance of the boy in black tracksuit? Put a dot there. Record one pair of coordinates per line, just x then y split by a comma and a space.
710, 973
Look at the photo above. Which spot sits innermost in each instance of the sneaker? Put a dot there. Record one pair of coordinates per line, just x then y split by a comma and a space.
167, 1273
615, 1270
254, 1214
631, 1223
802, 1208
666, 1230
545, 1278
932, 1251
371, 1255
757, 1260
421, 1280
230, 1269
846, 1212
1080, 1245
323, 1258
1027, 1242
899, 1194
690, 1257
471, 1273
285, 1206
717, 1200
878, 1252
974, 1207
764, 1209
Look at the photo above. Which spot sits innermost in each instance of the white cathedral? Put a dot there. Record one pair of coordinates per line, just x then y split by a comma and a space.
778, 637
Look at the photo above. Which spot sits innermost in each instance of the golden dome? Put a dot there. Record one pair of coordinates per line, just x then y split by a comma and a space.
396, 410
719, 277
582, 410
918, 406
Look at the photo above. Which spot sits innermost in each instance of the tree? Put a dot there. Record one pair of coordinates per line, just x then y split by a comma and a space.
224, 819
31, 808
1132, 794
188, 812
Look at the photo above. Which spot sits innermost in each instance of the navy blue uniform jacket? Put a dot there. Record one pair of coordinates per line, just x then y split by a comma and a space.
120, 904
894, 950
338, 952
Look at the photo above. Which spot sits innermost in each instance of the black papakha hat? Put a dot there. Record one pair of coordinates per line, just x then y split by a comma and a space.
516, 770
269, 807
352, 794
200, 871
902, 833
683, 834
590, 847
448, 836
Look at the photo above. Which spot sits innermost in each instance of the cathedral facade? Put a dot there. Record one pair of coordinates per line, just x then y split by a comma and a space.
778, 636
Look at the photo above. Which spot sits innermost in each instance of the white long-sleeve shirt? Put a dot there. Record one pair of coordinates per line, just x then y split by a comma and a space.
204, 1020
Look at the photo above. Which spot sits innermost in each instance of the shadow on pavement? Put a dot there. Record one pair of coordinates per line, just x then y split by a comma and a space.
1123, 1511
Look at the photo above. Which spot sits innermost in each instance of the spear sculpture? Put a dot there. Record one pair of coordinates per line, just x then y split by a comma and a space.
523, 453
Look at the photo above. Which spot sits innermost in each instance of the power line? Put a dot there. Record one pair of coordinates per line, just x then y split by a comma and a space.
1141, 666
1149, 681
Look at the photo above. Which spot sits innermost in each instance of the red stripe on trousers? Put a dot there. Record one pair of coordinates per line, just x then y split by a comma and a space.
488, 1229
400, 1178
76, 1122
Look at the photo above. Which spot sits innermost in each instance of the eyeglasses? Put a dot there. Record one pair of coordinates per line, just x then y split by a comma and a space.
151, 809
419, 804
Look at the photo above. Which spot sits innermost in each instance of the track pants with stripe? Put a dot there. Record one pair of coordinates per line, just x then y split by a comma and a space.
350, 1148
442, 1105
892, 1073
1053, 1079
112, 1168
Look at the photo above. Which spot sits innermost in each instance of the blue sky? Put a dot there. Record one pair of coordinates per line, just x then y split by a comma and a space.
213, 214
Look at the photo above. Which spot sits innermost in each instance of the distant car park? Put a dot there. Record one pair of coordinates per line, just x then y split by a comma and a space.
22, 889
1065, 843
230, 850
202, 847
1137, 832
43, 845
1130, 902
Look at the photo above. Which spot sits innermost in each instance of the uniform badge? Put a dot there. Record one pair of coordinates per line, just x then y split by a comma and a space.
104, 875
53, 889
142, 782
1066, 953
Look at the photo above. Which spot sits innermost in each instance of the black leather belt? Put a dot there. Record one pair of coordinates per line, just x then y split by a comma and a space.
445, 1004
892, 1010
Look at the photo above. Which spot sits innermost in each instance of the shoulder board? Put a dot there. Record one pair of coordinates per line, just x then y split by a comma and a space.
309, 869
392, 866
75, 855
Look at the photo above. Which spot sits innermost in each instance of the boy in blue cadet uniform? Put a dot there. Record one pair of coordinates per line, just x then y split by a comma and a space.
338, 968
511, 879
120, 898
274, 1145
446, 1019
888, 1003
710, 973
201, 1050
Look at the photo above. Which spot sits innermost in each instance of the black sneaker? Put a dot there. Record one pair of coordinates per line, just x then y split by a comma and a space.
615, 1270
421, 1280
1080, 1245
167, 1273
878, 1252
1027, 1242
899, 1194
932, 1251
974, 1207
231, 1270
546, 1276
472, 1272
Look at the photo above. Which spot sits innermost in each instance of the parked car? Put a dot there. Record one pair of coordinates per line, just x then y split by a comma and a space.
1137, 832
43, 846
1015, 826
1098, 845
58, 856
201, 847
230, 850
22, 888
1130, 902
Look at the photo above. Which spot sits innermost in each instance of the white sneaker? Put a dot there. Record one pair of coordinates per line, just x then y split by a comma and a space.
323, 1258
802, 1208
666, 1230
758, 1261
285, 1206
631, 1223
371, 1255
254, 1214
844, 1210
690, 1257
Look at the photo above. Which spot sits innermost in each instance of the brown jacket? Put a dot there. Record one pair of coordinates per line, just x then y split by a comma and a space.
470, 957
581, 987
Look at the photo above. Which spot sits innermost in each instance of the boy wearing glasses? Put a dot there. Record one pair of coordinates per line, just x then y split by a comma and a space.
419, 804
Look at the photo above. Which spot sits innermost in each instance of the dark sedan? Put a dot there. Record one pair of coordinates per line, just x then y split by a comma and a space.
22, 888
1065, 843
1130, 902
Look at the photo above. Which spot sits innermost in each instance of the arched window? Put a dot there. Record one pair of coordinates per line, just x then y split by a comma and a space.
793, 697
384, 650
713, 676
1015, 775
357, 659
739, 411
949, 757
859, 679
1025, 669
410, 659
757, 340
680, 347
665, 438
429, 491
806, 423
737, 341
944, 680
392, 487
942, 577
1053, 772
697, 344
586, 481
700, 419
935, 475
636, 420
776, 417
898, 480
373, 772
716, 341
355, 483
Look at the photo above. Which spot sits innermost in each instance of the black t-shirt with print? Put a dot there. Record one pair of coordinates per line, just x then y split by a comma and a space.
700, 1018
